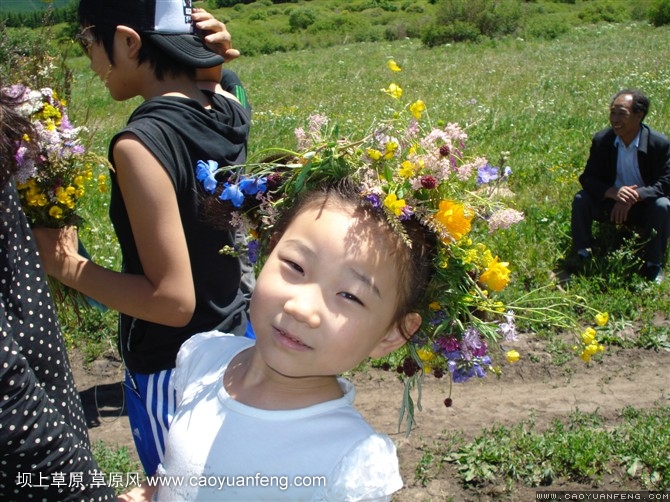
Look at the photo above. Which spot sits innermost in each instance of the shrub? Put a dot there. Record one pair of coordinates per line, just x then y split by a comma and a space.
659, 13
547, 28
463, 20
606, 11
301, 19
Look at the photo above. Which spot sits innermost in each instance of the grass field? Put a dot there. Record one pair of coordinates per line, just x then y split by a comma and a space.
538, 100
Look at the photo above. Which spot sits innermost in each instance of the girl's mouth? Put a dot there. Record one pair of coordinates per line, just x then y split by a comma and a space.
290, 341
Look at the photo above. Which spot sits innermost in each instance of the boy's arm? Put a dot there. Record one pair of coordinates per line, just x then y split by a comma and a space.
215, 34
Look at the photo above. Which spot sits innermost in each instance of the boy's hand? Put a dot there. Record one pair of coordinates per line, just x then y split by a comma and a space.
215, 34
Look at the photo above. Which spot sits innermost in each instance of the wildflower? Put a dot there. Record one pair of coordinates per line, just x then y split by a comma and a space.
204, 172
393, 90
602, 318
487, 174
508, 328
232, 193
417, 108
454, 218
394, 204
496, 276
588, 336
374, 154
503, 219
406, 169
512, 356
428, 182
393, 66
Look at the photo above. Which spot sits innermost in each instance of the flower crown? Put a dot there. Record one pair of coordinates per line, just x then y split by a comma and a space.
407, 168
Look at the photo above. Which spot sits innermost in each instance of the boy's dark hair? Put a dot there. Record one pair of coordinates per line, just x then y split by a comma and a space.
416, 263
167, 53
640, 101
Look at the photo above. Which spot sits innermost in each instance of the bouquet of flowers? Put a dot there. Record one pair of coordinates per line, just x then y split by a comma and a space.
56, 175
407, 167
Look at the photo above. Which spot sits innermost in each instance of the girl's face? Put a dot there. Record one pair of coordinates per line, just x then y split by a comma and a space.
326, 297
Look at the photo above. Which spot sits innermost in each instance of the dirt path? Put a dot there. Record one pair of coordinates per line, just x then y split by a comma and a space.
633, 377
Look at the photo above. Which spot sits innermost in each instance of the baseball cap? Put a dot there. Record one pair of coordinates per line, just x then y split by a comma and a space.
165, 23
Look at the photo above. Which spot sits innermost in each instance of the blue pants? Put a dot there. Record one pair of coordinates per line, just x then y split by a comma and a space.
150, 403
652, 215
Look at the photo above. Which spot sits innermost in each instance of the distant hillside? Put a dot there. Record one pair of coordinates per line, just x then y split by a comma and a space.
26, 6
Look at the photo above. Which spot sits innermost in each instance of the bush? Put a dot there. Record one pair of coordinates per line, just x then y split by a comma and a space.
607, 11
659, 13
301, 19
462, 20
547, 28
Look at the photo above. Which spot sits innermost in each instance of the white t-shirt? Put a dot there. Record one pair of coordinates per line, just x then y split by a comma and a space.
221, 449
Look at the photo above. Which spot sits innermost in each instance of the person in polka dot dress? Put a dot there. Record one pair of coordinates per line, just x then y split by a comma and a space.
44, 447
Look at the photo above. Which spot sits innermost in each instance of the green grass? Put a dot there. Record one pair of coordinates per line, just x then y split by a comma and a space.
582, 448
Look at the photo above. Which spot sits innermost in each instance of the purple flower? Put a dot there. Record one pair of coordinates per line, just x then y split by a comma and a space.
487, 174
232, 193
253, 250
474, 343
406, 213
373, 200
204, 172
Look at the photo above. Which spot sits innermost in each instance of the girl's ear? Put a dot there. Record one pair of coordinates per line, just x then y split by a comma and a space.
395, 338
129, 40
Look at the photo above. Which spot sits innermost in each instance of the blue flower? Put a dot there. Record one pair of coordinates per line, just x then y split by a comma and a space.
233, 194
487, 174
204, 172
251, 186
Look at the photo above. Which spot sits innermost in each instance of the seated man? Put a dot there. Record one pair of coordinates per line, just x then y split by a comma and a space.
627, 181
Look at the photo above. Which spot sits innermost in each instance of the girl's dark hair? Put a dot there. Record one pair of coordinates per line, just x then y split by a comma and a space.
415, 264
12, 128
89, 15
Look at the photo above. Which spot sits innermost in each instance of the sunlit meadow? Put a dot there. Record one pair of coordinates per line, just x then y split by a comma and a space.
538, 100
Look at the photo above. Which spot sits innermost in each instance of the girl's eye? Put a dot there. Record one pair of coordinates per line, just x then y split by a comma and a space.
351, 298
293, 265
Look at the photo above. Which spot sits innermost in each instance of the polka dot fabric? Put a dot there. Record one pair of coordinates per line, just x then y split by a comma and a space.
43, 434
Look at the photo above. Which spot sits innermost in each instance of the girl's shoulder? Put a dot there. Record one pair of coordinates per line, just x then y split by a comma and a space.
205, 356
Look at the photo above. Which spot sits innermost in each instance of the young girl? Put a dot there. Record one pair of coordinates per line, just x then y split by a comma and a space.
174, 282
272, 420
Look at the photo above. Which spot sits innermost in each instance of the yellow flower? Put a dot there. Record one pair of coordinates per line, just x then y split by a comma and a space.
434, 306
406, 169
417, 108
602, 318
391, 148
394, 204
102, 183
454, 218
393, 90
56, 212
585, 357
426, 355
374, 154
512, 356
393, 66
496, 276
588, 336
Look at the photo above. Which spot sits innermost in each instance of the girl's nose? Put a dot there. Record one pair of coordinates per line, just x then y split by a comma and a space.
304, 306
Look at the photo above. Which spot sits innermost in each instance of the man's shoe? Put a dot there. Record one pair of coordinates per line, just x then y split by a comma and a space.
655, 274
